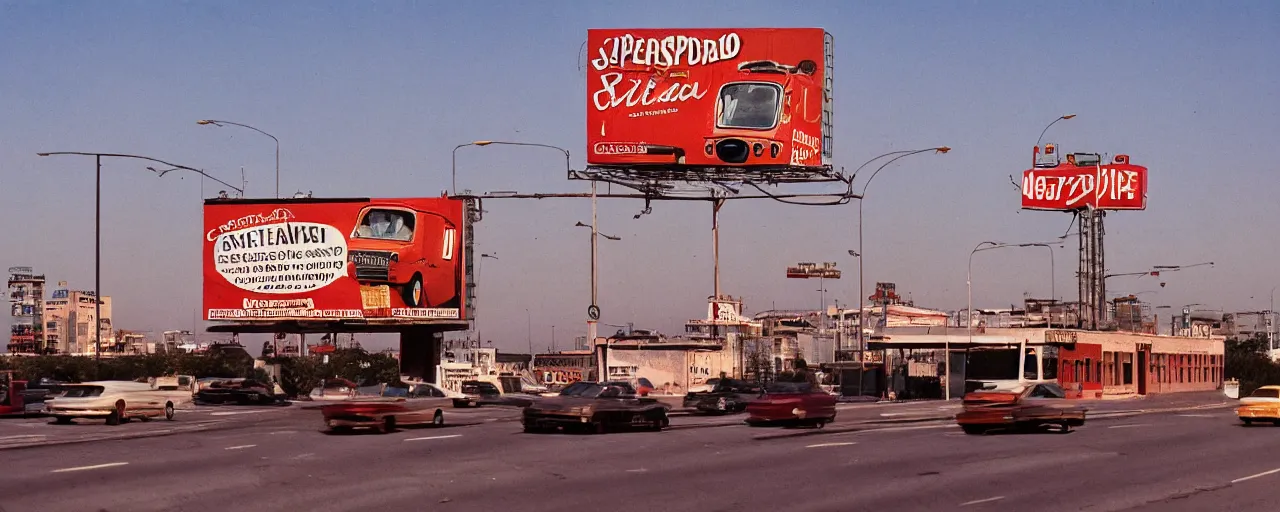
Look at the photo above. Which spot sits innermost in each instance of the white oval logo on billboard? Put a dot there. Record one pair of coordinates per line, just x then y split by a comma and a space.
281, 258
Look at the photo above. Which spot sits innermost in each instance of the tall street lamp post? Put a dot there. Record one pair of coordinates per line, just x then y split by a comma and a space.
478, 268
1045, 130
482, 143
214, 122
97, 229
593, 310
861, 199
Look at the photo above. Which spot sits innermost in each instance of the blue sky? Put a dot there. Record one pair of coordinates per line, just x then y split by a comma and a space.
368, 99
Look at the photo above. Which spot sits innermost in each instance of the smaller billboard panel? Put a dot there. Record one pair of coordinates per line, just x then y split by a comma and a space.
1104, 187
388, 260
726, 97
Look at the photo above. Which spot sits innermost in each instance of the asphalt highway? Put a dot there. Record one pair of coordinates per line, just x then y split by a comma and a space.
279, 460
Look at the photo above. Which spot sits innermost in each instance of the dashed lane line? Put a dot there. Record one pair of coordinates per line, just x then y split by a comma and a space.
432, 437
1258, 475
979, 502
86, 468
826, 445
240, 447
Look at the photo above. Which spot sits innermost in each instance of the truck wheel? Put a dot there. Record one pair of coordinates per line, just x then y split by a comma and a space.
168, 411
413, 295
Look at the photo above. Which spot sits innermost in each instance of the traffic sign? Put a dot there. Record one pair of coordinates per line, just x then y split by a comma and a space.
593, 312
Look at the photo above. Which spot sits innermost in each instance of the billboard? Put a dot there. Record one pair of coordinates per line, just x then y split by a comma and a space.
1115, 186
380, 260
756, 97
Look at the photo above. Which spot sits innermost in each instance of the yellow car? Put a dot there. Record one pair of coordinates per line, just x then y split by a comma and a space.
1261, 405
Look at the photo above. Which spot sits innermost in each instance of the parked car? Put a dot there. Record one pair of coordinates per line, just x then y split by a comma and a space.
1263, 404
792, 403
1022, 406
725, 396
476, 393
239, 392
595, 407
333, 389
395, 407
114, 401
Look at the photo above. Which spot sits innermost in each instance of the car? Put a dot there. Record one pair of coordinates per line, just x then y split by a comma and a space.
792, 403
725, 396
113, 401
595, 407
1262, 405
238, 391
1026, 406
394, 407
476, 393
333, 389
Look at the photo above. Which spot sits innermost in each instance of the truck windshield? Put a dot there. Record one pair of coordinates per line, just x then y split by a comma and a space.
752, 106
383, 224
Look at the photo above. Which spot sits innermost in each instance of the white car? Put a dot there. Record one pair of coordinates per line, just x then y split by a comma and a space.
114, 401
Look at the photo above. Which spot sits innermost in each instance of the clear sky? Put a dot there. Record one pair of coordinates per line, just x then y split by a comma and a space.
368, 99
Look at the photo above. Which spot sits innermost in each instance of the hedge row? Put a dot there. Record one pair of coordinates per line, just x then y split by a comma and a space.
298, 375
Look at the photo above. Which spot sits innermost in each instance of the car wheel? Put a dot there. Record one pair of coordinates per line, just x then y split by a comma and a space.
62, 420
973, 430
1247, 422
117, 415
438, 418
413, 295
168, 411
388, 425
659, 422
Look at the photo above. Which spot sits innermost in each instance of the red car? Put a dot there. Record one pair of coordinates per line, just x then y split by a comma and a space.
794, 403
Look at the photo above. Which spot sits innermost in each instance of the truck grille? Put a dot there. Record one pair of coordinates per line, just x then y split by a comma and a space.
371, 265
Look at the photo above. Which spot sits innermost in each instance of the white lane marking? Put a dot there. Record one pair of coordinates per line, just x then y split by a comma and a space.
828, 444
95, 466
240, 447
22, 436
977, 502
231, 413
641, 470
1251, 477
285, 432
432, 437
1131, 425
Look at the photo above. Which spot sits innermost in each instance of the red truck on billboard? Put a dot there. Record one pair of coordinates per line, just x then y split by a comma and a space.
333, 259
755, 98
1083, 181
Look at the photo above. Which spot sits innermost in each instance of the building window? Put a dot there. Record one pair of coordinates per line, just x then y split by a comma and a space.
1127, 367
82, 329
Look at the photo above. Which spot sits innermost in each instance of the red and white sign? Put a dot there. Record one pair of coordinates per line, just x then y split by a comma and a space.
395, 260
1105, 187
709, 97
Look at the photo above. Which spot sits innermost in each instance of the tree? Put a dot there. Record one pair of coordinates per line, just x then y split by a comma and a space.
1247, 360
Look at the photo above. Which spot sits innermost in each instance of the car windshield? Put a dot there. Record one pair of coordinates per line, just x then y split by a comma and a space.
582, 389
83, 391
1265, 393
386, 225
789, 387
749, 105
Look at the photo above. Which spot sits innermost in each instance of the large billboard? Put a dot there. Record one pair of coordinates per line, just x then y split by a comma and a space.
378, 260
1112, 186
755, 97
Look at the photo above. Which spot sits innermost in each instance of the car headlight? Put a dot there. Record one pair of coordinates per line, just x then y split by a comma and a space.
584, 410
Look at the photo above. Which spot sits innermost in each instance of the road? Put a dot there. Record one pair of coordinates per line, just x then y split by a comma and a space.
279, 460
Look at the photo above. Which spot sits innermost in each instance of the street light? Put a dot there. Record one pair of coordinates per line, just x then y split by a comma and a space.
202, 173
861, 199
273, 137
987, 246
477, 284
482, 143
1046, 129
97, 230
594, 307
